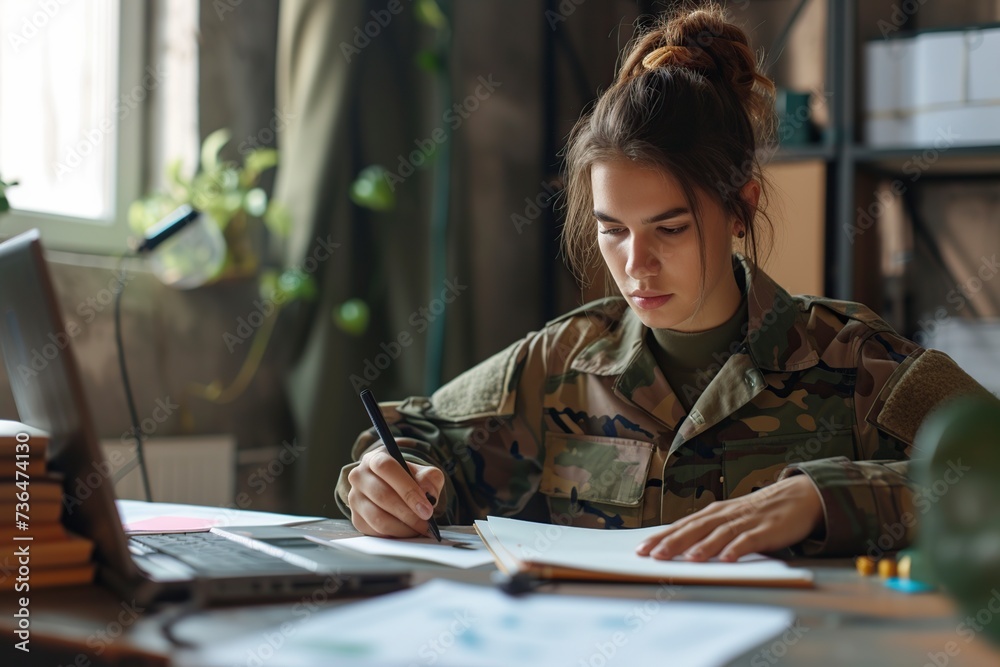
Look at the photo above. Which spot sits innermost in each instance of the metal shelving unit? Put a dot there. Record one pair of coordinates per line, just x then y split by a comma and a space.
846, 156
835, 147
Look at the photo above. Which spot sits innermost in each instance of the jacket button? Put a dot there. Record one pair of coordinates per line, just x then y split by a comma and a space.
752, 378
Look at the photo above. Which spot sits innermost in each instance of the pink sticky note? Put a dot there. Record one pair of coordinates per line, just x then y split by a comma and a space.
170, 524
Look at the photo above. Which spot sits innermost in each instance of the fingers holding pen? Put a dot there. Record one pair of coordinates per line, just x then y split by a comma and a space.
386, 499
412, 491
371, 519
431, 481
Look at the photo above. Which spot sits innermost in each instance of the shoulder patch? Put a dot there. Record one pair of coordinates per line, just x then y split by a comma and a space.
924, 381
480, 391
848, 309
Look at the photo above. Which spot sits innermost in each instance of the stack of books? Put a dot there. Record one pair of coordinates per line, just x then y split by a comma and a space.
36, 550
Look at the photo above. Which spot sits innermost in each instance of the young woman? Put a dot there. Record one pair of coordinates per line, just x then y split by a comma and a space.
704, 398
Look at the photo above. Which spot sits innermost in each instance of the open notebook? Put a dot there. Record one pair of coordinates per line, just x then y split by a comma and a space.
564, 552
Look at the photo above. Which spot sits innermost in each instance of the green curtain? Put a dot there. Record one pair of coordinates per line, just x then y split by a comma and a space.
352, 100
348, 78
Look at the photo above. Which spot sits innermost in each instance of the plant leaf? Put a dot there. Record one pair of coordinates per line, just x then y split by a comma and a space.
289, 285
179, 186
257, 162
278, 219
430, 61
371, 189
211, 148
352, 317
430, 13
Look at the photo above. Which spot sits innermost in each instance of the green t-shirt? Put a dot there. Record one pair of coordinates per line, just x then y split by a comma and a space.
689, 361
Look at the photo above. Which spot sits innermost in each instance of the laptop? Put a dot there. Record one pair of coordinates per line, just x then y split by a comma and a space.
220, 565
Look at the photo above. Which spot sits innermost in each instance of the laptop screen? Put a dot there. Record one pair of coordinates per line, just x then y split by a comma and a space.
45, 381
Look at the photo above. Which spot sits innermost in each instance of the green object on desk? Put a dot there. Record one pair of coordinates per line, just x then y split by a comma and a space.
908, 585
957, 470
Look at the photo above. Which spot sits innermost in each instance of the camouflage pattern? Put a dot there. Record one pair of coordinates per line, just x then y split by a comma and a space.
575, 424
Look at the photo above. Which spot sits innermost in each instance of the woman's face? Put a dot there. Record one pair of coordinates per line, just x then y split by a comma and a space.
647, 236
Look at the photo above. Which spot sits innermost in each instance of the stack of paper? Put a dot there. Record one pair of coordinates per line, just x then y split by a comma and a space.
139, 517
456, 549
459, 625
565, 552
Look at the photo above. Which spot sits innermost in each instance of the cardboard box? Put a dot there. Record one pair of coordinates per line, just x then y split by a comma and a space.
959, 265
798, 211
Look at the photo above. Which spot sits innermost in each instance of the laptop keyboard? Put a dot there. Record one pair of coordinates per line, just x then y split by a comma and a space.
208, 552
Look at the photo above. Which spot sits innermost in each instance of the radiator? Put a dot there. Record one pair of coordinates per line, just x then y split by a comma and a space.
200, 470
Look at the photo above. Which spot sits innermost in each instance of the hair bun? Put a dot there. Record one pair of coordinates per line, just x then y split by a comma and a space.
704, 41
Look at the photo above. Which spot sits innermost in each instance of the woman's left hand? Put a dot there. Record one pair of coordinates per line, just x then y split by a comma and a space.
777, 516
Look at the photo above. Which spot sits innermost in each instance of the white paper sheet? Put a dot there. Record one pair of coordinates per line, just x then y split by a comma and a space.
613, 552
450, 624
456, 549
141, 517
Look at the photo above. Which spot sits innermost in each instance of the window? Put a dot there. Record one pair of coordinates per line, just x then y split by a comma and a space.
76, 91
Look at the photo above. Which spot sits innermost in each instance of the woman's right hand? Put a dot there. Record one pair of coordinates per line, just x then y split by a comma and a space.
386, 502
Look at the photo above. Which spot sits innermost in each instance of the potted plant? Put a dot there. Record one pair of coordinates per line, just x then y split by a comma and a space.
227, 194
237, 213
4, 204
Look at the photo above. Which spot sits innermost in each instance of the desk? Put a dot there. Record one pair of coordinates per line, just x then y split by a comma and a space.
845, 620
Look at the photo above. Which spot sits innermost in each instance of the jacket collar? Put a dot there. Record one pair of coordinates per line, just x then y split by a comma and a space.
776, 337
776, 340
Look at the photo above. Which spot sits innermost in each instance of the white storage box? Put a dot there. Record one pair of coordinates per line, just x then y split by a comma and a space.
984, 65
962, 126
933, 85
889, 93
889, 84
937, 67
884, 132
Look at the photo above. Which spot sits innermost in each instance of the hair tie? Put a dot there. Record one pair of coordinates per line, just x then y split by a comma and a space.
660, 56
679, 56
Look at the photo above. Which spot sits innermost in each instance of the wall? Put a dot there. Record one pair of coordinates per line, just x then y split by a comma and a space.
173, 340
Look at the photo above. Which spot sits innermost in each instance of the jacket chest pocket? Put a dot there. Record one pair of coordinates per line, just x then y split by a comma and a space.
748, 465
595, 481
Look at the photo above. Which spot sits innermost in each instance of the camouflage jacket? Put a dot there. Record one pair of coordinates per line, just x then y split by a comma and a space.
576, 424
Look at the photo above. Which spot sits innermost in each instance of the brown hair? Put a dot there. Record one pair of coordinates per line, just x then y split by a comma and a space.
690, 100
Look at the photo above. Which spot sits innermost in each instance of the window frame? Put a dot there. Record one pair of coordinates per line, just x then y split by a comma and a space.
108, 236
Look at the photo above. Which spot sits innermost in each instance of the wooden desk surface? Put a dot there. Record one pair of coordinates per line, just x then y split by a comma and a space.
845, 620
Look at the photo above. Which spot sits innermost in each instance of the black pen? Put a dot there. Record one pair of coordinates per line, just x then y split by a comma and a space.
382, 428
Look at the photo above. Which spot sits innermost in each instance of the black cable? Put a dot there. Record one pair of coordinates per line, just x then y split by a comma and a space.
137, 433
185, 611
